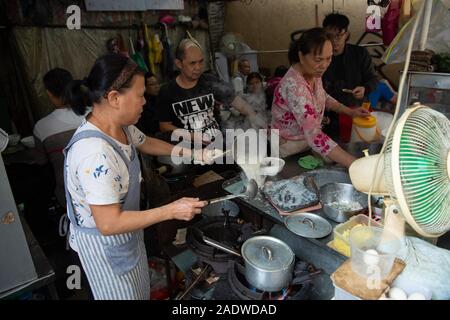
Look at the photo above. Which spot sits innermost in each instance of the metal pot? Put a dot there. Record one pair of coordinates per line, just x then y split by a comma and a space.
269, 262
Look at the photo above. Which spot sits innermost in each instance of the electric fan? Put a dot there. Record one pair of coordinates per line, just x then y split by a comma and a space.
414, 172
232, 45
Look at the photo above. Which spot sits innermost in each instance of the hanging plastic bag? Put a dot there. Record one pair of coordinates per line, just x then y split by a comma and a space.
389, 23
137, 57
438, 36
406, 12
148, 42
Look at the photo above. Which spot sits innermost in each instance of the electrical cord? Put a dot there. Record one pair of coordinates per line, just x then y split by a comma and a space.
397, 106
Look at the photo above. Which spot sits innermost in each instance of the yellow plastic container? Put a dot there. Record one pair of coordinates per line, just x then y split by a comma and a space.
341, 242
364, 129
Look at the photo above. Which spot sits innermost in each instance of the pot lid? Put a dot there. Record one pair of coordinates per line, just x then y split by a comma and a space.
308, 225
267, 253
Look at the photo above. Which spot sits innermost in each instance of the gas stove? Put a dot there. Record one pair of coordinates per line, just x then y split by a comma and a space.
232, 233
232, 285
221, 276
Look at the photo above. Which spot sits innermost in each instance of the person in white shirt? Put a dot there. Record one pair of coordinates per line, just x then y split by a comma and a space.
102, 180
239, 81
53, 132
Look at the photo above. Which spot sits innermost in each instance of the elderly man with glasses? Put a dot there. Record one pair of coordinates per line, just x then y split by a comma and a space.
351, 74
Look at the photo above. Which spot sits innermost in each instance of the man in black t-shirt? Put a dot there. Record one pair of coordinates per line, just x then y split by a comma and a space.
188, 101
351, 74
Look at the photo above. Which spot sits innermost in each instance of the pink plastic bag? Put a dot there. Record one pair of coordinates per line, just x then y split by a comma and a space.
389, 23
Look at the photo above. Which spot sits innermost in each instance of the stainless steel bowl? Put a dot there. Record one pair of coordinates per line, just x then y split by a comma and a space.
338, 199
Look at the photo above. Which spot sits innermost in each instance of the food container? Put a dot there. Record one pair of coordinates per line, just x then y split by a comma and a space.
384, 244
364, 129
341, 242
290, 195
271, 166
341, 201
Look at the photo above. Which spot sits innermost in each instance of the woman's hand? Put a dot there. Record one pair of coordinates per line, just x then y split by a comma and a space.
206, 156
185, 208
359, 112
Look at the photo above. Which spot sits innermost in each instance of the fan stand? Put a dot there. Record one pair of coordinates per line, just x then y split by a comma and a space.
393, 222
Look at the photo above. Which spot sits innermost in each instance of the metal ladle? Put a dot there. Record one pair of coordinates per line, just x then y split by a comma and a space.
251, 191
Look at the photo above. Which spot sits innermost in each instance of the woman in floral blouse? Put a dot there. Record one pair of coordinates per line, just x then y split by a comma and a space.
300, 100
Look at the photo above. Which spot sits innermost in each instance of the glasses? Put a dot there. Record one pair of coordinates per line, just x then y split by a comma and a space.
337, 36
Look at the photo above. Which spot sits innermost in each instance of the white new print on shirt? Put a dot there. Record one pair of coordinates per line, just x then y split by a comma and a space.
197, 114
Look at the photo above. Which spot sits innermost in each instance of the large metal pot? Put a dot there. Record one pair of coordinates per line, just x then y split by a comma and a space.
269, 262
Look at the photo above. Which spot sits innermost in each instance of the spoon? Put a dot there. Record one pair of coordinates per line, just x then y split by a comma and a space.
250, 192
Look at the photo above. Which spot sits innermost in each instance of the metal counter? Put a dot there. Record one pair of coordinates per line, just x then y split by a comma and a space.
315, 251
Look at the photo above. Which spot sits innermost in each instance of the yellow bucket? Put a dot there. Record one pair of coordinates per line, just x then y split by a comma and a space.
364, 129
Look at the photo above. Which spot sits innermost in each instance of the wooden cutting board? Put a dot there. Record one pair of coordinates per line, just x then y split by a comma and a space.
346, 279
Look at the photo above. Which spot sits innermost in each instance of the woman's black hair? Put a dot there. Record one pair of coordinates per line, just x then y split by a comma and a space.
280, 71
83, 93
311, 40
254, 75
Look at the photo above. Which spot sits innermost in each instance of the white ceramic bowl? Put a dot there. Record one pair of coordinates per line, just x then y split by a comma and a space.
28, 142
13, 139
271, 166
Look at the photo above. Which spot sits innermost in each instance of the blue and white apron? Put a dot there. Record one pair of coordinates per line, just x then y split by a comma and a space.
116, 266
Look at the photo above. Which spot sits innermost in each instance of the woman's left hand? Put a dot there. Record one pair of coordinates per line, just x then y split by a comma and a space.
359, 112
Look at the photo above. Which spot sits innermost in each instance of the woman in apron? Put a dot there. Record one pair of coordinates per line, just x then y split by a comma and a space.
102, 180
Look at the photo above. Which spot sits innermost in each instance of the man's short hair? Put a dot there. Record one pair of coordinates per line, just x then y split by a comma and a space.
242, 60
56, 81
336, 21
183, 45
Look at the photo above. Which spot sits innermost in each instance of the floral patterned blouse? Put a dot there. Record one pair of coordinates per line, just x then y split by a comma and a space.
297, 111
